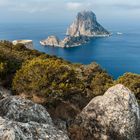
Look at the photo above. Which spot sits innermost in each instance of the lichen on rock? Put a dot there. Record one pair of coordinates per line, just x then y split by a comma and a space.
115, 115
23, 119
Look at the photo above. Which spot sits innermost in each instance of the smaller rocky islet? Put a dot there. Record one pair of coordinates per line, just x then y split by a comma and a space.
84, 27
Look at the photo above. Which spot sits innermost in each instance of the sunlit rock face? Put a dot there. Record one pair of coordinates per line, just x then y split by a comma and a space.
72, 41
27, 43
67, 42
113, 116
80, 32
86, 24
51, 41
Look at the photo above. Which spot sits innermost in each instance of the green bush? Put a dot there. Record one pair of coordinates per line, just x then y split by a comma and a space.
3, 69
132, 81
19, 47
100, 83
89, 71
48, 78
7, 68
6, 44
14, 56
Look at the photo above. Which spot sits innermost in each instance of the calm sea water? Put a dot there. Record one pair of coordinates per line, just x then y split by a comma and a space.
117, 54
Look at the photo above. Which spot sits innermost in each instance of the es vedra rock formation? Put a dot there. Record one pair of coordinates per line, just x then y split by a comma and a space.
86, 24
84, 27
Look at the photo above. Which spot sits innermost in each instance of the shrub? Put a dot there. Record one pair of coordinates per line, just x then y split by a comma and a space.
14, 56
89, 71
6, 44
7, 68
132, 81
3, 69
19, 47
100, 83
48, 78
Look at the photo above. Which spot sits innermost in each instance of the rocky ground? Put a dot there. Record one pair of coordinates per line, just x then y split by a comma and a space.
113, 116
21, 119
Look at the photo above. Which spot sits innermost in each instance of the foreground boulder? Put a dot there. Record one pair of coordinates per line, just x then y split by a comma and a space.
22, 119
113, 116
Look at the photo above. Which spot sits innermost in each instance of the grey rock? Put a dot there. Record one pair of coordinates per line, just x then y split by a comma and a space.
113, 116
51, 41
71, 41
86, 24
23, 110
80, 32
4, 93
23, 119
67, 42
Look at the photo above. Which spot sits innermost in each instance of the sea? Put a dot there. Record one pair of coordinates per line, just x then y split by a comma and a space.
117, 54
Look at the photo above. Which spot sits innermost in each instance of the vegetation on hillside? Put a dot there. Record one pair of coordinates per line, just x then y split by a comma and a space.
100, 83
11, 59
36, 73
132, 81
49, 78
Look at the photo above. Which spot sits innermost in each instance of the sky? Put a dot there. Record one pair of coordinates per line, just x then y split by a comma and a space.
65, 10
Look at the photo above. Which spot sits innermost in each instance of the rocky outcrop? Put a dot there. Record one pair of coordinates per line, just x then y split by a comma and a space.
67, 42
27, 43
22, 119
113, 116
86, 24
80, 32
4, 93
74, 41
51, 41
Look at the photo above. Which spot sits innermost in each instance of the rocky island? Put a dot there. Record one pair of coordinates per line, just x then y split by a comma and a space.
69, 41
86, 24
51, 41
84, 27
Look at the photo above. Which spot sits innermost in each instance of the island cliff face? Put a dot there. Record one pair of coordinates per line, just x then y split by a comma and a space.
80, 32
51, 41
72, 41
69, 41
86, 24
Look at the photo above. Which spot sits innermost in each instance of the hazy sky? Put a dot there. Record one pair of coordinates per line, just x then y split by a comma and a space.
65, 10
